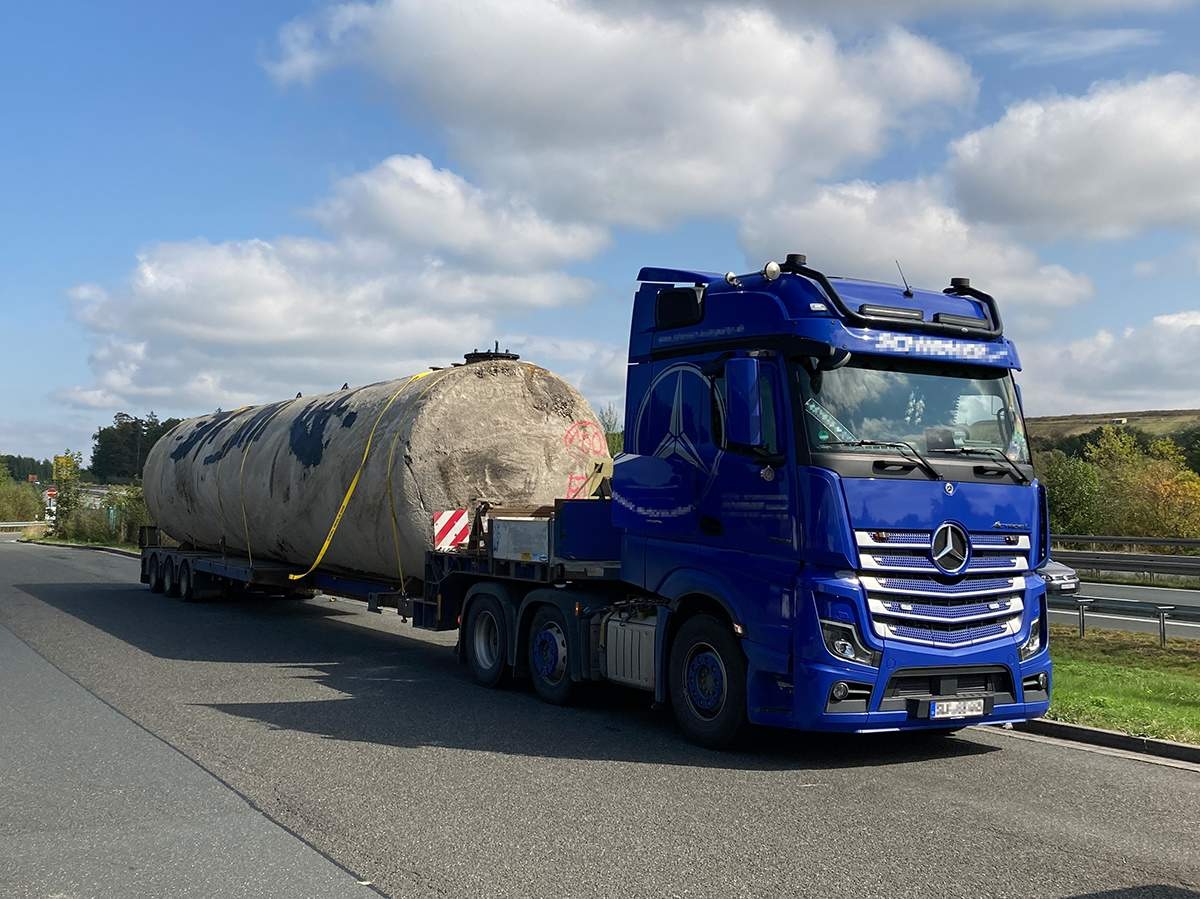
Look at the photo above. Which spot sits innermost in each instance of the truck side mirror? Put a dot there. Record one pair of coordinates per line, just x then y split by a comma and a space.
743, 402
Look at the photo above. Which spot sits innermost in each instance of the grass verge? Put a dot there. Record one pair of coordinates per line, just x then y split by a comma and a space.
59, 541
1123, 681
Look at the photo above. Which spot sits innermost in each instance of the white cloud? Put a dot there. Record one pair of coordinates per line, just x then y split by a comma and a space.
406, 201
1122, 158
417, 267
640, 120
1048, 46
860, 229
1139, 368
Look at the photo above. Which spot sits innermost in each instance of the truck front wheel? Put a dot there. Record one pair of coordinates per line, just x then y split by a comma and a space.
549, 667
708, 682
486, 641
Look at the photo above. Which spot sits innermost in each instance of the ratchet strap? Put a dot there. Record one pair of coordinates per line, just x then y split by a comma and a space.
337, 520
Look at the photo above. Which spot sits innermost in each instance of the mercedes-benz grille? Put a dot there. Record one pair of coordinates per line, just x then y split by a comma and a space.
911, 598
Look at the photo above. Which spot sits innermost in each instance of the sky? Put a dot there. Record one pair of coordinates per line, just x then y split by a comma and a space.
209, 205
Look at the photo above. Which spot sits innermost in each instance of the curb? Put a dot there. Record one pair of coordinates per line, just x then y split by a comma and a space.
128, 553
1182, 752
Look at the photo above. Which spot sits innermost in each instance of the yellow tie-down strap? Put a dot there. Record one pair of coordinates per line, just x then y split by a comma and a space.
337, 520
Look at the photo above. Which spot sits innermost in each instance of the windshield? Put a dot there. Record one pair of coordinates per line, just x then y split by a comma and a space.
935, 408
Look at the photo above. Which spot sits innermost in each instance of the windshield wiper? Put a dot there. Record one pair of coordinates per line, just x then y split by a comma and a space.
912, 453
991, 452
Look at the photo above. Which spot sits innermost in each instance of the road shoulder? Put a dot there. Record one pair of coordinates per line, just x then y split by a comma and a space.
93, 804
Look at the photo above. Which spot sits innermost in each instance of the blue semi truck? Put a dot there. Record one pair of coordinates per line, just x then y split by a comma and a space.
825, 518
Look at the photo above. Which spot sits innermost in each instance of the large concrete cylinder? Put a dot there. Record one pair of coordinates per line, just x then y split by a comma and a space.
269, 480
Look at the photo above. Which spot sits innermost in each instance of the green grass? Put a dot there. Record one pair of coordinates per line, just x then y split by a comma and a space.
1125, 682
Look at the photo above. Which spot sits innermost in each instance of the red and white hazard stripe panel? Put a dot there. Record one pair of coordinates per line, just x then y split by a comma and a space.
450, 529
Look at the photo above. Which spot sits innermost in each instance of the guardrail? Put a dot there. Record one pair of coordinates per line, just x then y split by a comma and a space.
1152, 563
1133, 608
19, 525
1173, 542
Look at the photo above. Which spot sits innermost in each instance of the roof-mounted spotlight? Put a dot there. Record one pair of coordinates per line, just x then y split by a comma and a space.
771, 270
732, 280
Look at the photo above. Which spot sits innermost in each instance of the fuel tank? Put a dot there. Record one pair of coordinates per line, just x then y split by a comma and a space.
270, 480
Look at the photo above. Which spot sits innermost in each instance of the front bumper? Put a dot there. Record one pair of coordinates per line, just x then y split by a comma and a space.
892, 698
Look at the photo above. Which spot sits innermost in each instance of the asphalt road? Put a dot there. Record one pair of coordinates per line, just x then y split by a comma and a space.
369, 742
92, 803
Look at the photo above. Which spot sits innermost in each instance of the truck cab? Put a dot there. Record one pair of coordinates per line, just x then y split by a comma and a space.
836, 474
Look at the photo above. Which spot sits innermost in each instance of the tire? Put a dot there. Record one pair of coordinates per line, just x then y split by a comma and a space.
185, 582
708, 682
156, 574
170, 581
486, 641
549, 664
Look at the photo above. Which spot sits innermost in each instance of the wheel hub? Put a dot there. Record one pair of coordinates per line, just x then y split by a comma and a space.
550, 653
706, 681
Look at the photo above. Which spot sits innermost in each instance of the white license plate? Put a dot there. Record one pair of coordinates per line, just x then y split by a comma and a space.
955, 708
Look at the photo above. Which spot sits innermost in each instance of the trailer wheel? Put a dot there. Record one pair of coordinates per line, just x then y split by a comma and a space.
186, 582
549, 667
156, 574
708, 682
486, 641
170, 580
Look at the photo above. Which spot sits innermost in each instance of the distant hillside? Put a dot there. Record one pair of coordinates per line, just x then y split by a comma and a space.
1155, 421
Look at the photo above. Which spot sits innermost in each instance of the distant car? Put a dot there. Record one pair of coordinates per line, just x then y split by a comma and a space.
1059, 578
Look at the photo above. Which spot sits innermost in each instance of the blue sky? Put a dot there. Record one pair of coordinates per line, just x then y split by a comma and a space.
206, 206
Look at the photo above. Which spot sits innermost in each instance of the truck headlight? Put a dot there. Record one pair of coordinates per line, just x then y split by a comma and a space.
842, 641
1033, 645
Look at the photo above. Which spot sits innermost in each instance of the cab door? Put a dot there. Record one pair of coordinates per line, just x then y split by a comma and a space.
751, 501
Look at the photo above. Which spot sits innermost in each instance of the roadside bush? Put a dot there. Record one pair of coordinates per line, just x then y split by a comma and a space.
1074, 493
88, 526
19, 501
131, 513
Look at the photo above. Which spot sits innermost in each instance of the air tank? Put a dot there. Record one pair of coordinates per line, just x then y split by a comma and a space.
269, 481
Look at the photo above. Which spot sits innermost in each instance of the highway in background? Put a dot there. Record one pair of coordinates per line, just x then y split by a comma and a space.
1106, 610
368, 741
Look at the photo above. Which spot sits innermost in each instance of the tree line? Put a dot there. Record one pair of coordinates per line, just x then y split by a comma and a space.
119, 450
1123, 482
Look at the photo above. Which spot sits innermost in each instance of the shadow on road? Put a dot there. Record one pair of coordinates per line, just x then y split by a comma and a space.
407, 692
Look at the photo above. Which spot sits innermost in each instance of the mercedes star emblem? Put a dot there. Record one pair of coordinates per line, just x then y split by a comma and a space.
951, 548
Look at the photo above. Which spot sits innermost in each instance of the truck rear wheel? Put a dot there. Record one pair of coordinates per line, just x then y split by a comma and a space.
549, 664
155, 573
187, 582
170, 580
486, 641
708, 682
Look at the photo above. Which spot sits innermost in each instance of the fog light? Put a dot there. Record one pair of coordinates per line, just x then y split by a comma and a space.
840, 691
844, 648
1043, 681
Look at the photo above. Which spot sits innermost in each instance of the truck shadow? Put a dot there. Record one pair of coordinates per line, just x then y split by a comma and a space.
408, 691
